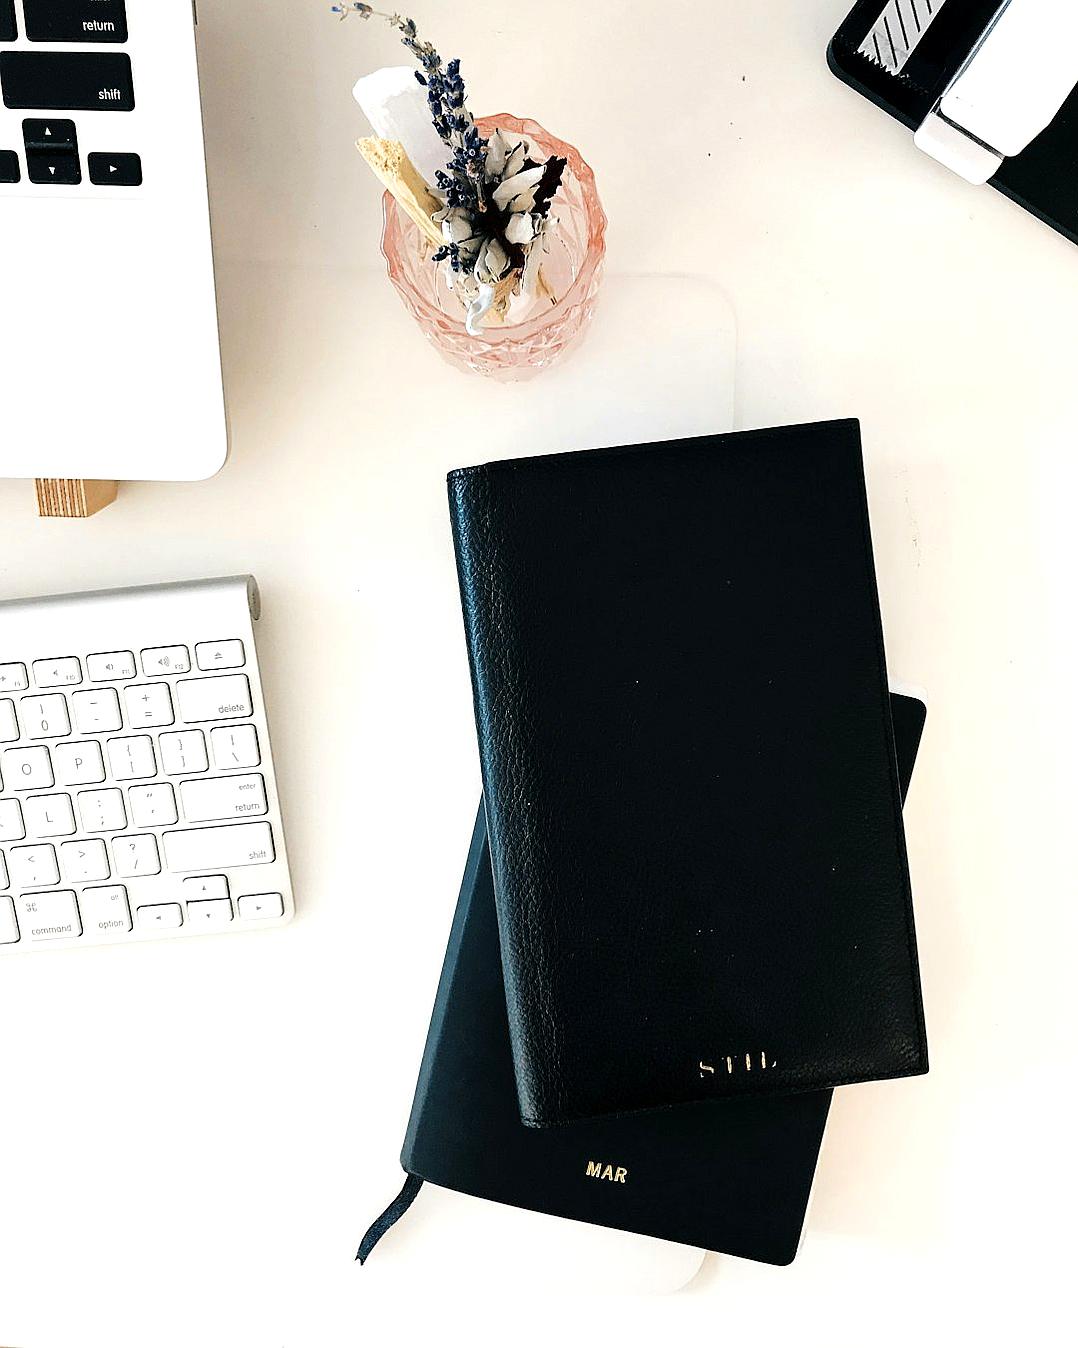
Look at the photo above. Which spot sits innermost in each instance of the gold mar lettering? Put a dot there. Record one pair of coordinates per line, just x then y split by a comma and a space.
615, 1174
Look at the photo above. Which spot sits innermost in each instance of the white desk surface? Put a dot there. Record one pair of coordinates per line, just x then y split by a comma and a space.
193, 1137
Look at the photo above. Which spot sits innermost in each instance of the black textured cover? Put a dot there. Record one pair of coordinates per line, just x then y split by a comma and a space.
693, 802
726, 1175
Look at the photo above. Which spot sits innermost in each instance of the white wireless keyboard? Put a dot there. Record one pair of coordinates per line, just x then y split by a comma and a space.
137, 793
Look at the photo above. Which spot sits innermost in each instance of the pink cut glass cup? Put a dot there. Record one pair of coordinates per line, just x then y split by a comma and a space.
541, 328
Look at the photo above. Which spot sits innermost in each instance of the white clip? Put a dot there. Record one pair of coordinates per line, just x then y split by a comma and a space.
1010, 87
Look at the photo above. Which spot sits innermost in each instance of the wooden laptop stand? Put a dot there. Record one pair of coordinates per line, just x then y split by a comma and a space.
72, 498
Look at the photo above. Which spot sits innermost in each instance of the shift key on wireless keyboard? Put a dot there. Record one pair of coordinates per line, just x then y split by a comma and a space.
217, 849
82, 81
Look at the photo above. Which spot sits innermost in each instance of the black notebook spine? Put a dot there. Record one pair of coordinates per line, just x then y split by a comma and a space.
490, 624
476, 857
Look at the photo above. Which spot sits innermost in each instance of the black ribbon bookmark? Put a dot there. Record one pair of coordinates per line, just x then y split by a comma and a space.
390, 1217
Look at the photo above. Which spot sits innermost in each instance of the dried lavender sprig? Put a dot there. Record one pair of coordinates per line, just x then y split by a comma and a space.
446, 99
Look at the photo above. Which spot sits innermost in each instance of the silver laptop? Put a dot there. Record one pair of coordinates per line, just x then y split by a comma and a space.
109, 352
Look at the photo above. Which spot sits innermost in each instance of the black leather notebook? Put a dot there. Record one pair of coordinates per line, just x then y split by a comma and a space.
732, 1176
1042, 178
693, 801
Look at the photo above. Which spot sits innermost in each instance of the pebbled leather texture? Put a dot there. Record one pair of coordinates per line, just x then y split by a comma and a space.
688, 759
726, 1175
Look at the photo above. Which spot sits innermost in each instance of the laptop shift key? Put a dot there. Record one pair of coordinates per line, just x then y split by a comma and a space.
82, 81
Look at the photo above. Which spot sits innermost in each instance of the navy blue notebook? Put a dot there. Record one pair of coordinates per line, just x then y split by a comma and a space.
728, 1175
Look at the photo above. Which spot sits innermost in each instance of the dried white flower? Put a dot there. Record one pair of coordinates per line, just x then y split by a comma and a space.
498, 149
492, 262
518, 192
521, 228
457, 224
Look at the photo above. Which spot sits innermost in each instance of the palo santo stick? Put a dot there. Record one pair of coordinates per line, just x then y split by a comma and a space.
396, 171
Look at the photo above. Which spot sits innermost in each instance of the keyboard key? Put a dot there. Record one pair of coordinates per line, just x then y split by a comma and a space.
211, 849
9, 725
152, 806
102, 811
148, 704
83, 861
209, 913
11, 825
78, 764
105, 908
13, 679
9, 29
183, 751
58, 673
80, 81
136, 854
33, 866
4, 880
97, 711
75, 20
208, 798
110, 665
160, 660
235, 746
132, 757
49, 917
26, 769
214, 699
9, 168
206, 887
160, 915
60, 168
115, 170
9, 928
220, 655
45, 717
253, 906
49, 133
49, 816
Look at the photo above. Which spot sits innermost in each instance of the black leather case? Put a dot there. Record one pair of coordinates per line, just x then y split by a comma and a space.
732, 1176
693, 802
1041, 179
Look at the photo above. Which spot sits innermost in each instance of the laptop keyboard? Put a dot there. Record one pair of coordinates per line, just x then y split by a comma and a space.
36, 79
136, 783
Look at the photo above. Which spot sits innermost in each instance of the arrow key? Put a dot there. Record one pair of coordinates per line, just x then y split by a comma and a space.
43, 133
261, 906
115, 170
53, 167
